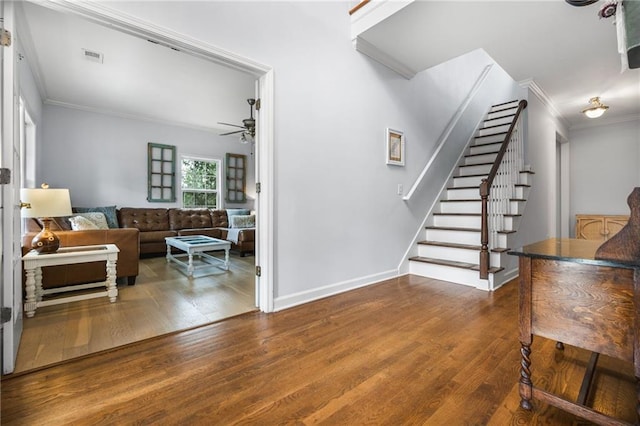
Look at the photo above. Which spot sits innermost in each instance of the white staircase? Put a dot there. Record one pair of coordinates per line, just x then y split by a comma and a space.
451, 250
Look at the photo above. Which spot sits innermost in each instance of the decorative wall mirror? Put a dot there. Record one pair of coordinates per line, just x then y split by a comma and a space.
236, 178
161, 173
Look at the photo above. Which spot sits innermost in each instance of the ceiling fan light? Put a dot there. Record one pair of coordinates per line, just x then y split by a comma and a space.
596, 109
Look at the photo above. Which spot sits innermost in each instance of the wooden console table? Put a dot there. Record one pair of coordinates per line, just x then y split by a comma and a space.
568, 296
34, 262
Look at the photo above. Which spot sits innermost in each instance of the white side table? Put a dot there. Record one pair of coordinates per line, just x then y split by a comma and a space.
34, 262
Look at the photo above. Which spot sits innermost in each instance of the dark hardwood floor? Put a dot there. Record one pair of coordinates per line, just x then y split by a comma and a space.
406, 351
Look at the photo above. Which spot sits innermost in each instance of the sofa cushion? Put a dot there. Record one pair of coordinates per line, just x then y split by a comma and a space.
108, 211
234, 212
156, 236
220, 219
189, 218
209, 232
144, 219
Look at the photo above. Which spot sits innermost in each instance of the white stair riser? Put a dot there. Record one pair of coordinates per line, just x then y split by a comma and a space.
526, 178
475, 170
509, 223
502, 240
494, 120
480, 159
457, 221
456, 237
447, 273
492, 130
514, 207
455, 254
481, 149
468, 181
488, 139
510, 105
463, 194
461, 207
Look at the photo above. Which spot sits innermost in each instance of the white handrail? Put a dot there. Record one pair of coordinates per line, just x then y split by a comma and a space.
447, 131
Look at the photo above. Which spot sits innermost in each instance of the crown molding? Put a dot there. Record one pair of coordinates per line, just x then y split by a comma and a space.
378, 55
532, 86
131, 116
30, 54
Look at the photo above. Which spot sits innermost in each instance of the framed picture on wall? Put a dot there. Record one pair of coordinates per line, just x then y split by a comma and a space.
395, 147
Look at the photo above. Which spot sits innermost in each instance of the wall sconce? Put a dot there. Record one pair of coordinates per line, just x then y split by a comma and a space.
44, 204
596, 109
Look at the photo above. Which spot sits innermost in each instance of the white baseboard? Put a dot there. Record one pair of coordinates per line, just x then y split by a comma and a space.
281, 303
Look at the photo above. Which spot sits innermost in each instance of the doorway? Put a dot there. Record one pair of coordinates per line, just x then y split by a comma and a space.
264, 257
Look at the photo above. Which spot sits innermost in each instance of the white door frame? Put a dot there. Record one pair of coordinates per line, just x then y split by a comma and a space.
11, 263
264, 254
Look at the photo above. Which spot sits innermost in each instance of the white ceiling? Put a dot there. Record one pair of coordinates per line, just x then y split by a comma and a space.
568, 51
137, 78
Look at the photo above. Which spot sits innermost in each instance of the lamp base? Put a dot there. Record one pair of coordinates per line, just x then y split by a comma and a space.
45, 241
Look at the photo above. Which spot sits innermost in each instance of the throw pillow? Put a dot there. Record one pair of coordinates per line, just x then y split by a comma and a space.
242, 221
97, 218
79, 223
108, 211
234, 212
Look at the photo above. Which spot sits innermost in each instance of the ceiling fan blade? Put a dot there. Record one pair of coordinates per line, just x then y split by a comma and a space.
234, 125
232, 133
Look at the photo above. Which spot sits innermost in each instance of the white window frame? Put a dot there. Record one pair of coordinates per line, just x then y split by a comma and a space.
218, 191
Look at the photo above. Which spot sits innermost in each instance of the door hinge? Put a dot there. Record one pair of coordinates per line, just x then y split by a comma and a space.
258, 271
258, 188
5, 38
5, 176
257, 104
5, 314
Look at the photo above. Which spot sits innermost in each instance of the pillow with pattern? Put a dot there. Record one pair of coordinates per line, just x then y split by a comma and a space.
242, 221
97, 218
80, 223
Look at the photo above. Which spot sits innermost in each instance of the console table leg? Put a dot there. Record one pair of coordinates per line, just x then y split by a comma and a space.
525, 377
112, 290
30, 301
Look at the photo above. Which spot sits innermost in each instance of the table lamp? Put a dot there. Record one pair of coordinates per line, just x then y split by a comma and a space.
44, 204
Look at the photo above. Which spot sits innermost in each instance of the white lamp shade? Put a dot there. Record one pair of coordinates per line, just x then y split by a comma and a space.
45, 202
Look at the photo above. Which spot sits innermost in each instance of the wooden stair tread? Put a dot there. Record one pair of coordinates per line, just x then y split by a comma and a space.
506, 103
479, 164
482, 153
461, 246
453, 188
466, 200
466, 176
501, 117
451, 228
452, 263
457, 214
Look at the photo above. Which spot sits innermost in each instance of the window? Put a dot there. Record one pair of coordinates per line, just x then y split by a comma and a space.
200, 182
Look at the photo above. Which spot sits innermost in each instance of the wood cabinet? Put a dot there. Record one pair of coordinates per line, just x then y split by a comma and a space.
598, 227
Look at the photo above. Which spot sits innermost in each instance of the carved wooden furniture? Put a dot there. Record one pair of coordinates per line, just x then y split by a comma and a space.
34, 262
598, 227
569, 296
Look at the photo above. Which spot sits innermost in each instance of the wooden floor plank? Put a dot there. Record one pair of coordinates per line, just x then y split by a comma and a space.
407, 351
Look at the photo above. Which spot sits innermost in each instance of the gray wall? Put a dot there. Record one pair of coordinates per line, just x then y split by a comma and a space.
102, 159
605, 167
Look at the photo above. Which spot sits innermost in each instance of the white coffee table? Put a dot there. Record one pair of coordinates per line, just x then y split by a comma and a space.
34, 262
198, 245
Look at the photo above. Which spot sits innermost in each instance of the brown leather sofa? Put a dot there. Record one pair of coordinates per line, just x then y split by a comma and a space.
155, 224
127, 240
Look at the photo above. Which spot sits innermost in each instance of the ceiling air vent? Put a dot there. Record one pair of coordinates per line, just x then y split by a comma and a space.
92, 55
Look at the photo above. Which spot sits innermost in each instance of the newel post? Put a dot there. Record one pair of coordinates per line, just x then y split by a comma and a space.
484, 231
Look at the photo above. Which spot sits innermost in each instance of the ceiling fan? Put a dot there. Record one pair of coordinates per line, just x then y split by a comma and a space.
249, 124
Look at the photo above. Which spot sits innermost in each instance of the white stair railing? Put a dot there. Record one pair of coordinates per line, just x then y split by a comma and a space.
499, 188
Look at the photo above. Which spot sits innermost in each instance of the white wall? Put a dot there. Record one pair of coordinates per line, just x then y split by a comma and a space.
339, 222
605, 167
102, 159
